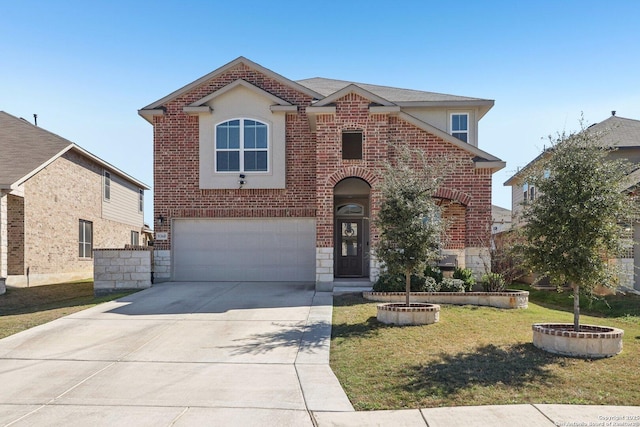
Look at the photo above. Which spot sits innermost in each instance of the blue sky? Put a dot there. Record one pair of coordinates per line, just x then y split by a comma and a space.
86, 67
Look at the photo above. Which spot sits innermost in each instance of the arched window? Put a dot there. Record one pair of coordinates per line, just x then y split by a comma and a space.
242, 145
350, 209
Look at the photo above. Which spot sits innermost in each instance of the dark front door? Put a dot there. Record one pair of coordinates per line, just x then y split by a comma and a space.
349, 250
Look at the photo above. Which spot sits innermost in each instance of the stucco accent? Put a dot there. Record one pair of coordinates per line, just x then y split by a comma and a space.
242, 102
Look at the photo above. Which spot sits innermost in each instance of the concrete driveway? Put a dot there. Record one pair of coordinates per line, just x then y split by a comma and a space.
177, 354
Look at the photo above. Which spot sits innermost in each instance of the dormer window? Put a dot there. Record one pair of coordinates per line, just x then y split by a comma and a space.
460, 126
242, 145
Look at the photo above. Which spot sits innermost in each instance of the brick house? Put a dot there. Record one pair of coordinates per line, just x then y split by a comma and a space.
261, 178
57, 202
615, 131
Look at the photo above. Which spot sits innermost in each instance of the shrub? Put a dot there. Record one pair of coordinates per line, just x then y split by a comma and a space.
434, 272
493, 282
431, 285
452, 285
396, 283
466, 275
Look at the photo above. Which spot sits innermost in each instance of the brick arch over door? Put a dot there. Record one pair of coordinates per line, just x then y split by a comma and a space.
352, 172
324, 194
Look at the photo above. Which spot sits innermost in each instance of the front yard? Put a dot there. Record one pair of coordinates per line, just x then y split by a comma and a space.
24, 308
479, 356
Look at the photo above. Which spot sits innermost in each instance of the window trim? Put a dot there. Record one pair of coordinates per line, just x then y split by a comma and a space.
82, 239
140, 200
465, 132
135, 238
241, 149
106, 185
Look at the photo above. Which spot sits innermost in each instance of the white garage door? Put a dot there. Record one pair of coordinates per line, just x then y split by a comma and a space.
261, 250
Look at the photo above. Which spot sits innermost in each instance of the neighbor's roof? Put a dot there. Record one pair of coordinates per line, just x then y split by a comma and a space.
618, 132
26, 149
614, 132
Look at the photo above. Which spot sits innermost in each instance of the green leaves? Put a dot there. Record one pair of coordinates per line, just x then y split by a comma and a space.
572, 227
409, 219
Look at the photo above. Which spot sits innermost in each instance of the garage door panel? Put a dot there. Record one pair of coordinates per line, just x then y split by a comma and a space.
244, 249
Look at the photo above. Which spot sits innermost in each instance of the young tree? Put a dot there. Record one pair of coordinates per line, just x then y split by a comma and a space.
573, 225
409, 220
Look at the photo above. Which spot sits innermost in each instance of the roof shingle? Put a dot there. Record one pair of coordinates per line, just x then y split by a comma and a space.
24, 148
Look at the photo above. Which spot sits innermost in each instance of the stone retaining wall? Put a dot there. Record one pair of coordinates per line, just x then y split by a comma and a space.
507, 299
591, 342
116, 270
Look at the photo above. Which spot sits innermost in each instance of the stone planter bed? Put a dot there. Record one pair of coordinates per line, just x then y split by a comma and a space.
591, 342
506, 299
414, 314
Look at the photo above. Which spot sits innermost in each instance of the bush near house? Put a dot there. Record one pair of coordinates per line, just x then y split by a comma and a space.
434, 281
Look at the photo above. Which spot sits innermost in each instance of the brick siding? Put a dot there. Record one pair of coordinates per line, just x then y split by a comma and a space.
314, 166
55, 199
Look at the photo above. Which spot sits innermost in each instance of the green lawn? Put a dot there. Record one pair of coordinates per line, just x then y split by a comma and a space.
24, 308
480, 356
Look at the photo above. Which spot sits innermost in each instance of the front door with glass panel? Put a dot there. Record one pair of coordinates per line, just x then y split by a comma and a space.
349, 238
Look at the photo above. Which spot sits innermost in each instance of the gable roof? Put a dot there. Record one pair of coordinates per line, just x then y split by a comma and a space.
326, 91
398, 96
26, 149
614, 132
240, 60
618, 132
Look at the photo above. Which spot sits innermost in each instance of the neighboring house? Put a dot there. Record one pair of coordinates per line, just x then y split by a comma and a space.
58, 202
261, 178
618, 132
500, 219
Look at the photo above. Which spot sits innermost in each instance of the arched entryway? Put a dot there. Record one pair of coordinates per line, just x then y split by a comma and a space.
351, 228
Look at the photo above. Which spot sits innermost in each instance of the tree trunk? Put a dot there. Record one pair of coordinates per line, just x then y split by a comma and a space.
576, 308
407, 279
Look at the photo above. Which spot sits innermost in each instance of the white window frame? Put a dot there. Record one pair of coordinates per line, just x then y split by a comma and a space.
140, 200
459, 132
241, 149
135, 238
106, 185
83, 241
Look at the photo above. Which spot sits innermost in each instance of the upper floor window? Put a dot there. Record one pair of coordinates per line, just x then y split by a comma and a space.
528, 192
460, 126
107, 185
242, 145
140, 200
352, 144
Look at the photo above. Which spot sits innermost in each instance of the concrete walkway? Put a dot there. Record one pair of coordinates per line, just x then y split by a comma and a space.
190, 354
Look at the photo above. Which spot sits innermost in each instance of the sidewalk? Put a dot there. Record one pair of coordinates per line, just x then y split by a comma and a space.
489, 416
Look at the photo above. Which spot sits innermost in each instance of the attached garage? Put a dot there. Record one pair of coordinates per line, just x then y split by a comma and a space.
253, 250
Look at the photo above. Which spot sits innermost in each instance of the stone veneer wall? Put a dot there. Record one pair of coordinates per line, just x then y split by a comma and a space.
162, 265
116, 270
